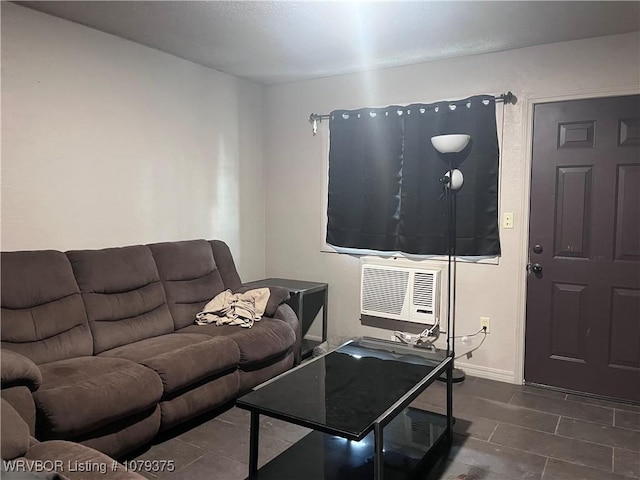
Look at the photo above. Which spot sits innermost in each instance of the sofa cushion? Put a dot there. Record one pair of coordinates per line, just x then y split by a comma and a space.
43, 317
252, 377
190, 277
125, 435
203, 398
267, 340
14, 438
123, 296
79, 395
181, 360
226, 265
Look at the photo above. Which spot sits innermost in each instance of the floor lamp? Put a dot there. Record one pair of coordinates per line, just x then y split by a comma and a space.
452, 180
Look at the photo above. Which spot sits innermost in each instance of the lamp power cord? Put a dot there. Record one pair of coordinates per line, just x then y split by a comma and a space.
423, 338
482, 330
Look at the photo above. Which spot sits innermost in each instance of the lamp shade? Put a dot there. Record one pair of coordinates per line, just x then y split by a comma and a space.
455, 179
453, 143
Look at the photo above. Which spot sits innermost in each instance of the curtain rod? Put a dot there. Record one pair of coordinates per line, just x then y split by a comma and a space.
314, 118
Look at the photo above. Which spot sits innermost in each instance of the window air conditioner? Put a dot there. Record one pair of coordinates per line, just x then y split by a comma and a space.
399, 293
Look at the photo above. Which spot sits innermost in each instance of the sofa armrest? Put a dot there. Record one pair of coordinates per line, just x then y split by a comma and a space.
285, 313
21, 399
18, 370
15, 433
277, 296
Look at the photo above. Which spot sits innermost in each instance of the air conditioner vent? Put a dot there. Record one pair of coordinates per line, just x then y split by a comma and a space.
423, 290
384, 290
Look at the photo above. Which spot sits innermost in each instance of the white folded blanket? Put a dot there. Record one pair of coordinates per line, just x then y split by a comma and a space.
229, 308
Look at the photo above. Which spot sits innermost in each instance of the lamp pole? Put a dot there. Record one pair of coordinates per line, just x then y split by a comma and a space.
453, 181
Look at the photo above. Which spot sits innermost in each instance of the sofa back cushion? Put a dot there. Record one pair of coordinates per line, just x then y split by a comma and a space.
226, 265
190, 277
122, 293
43, 317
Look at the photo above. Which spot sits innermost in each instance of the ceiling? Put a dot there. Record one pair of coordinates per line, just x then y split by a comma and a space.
279, 41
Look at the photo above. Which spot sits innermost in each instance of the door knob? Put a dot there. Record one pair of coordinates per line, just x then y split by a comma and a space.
535, 268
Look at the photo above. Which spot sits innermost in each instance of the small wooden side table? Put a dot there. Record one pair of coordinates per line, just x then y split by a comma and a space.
306, 299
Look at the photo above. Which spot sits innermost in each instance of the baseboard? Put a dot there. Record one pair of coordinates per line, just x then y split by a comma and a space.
487, 372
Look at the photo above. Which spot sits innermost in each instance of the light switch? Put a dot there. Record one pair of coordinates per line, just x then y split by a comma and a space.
507, 220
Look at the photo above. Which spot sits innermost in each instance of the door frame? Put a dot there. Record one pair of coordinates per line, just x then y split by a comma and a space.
525, 188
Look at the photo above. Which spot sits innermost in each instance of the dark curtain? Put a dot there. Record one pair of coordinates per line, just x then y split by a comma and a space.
365, 179
385, 189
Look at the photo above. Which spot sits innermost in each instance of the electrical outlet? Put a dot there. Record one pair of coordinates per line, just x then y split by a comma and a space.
484, 322
507, 220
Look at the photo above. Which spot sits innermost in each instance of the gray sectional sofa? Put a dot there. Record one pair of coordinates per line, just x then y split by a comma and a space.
99, 347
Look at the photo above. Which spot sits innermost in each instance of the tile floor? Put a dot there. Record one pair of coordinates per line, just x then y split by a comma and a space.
502, 432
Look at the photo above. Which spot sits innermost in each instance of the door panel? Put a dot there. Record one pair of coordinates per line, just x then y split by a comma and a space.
573, 212
627, 213
569, 302
623, 349
583, 306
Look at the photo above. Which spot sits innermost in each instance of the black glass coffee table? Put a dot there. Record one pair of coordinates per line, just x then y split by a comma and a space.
357, 400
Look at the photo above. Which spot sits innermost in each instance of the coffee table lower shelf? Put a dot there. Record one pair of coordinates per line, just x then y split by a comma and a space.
413, 442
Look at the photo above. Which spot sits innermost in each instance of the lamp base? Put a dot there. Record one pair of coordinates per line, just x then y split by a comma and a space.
457, 376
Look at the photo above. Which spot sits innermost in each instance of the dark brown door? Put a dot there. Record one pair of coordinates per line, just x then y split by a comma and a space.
583, 288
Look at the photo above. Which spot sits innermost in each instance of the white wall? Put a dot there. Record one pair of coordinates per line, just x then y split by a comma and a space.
295, 159
106, 142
